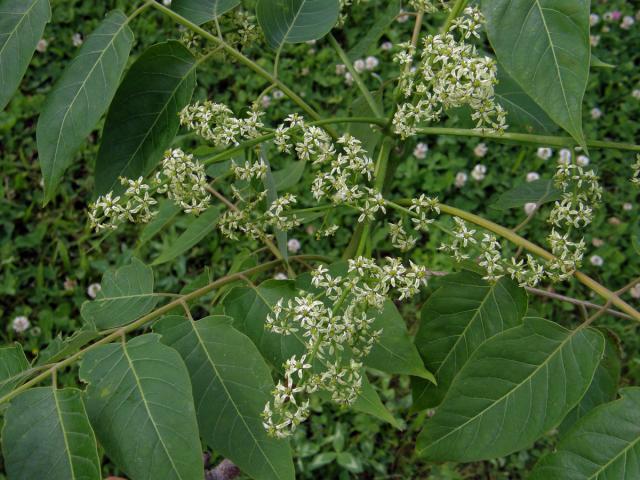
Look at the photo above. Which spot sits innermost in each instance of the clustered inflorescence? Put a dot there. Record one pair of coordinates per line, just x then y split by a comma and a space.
338, 331
450, 74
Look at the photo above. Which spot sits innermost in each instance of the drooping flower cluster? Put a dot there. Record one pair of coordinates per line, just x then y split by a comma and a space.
336, 324
181, 178
450, 74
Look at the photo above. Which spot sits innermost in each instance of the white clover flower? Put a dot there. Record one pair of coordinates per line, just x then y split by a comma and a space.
280, 276
420, 152
635, 291
20, 324
530, 207
564, 156
348, 79
636, 93
593, 19
479, 172
533, 176
480, 150
166, 3
627, 22
596, 113
596, 260
371, 62
341, 69
582, 160
597, 242
93, 289
386, 46
278, 94
461, 179
265, 101
359, 65
42, 45
544, 153
293, 245
627, 206
594, 40
403, 17
77, 40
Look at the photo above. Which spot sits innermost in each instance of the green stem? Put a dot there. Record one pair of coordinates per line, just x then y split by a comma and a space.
243, 60
542, 140
183, 300
455, 12
231, 152
356, 77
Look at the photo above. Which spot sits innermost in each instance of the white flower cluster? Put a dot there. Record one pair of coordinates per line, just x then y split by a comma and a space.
181, 178
581, 192
450, 74
216, 123
426, 6
338, 333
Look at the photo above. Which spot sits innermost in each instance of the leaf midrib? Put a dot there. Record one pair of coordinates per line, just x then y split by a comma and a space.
67, 450
25, 14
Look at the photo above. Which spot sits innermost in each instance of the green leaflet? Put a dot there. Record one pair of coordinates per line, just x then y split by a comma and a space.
515, 387
126, 295
231, 385
203, 11
296, 21
143, 117
140, 404
544, 46
21, 26
456, 319
197, 230
47, 435
603, 445
539, 192
81, 96
13, 366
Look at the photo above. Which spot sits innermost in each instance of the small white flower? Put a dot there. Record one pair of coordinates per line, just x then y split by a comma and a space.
386, 46
596, 260
359, 65
636, 93
565, 156
20, 324
420, 152
166, 3
635, 291
593, 19
533, 176
627, 206
42, 45
582, 160
480, 150
93, 289
627, 22
341, 69
594, 40
77, 40
597, 242
461, 179
530, 207
596, 113
278, 94
371, 62
348, 78
280, 276
403, 17
265, 101
479, 172
293, 245
544, 153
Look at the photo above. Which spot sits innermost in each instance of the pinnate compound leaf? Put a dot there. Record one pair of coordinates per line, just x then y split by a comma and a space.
231, 385
604, 385
126, 295
143, 117
203, 11
197, 230
296, 21
456, 319
22, 23
13, 366
47, 435
249, 308
81, 96
140, 403
544, 46
603, 445
515, 387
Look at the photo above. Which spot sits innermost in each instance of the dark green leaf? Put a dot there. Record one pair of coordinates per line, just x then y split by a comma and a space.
296, 21
597, 63
544, 46
60, 348
167, 211
231, 385
21, 26
539, 192
515, 387
126, 295
81, 96
370, 40
203, 11
456, 319
140, 404
367, 134
202, 226
143, 117
13, 365
289, 176
47, 435
603, 445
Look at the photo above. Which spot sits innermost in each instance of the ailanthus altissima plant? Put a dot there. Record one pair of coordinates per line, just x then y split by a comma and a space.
238, 365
